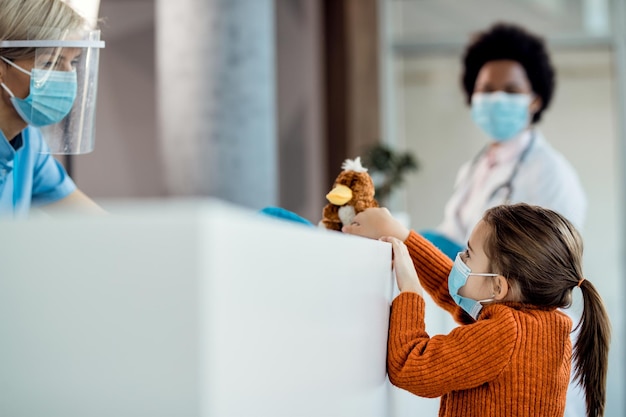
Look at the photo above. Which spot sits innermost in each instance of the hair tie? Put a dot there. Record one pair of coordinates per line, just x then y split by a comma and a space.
580, 282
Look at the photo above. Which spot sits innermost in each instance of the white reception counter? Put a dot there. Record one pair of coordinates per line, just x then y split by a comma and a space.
195, 309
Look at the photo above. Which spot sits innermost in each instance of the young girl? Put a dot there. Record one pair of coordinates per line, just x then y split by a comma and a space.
512, 354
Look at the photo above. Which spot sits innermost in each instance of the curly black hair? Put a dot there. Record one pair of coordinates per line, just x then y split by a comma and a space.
511, 42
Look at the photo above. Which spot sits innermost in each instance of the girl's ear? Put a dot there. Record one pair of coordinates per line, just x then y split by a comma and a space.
500, 288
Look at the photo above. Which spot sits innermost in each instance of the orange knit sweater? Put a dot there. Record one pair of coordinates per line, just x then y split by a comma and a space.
513, 361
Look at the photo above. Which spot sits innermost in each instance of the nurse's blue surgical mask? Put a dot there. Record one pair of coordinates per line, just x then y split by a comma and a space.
501, 115
457, 279
51, 97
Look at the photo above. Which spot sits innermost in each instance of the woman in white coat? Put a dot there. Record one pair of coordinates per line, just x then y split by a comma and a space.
509, 81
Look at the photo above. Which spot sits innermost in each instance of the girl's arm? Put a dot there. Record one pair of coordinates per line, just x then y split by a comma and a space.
433, 268
429, 367
406, 276
431, 264
432, 367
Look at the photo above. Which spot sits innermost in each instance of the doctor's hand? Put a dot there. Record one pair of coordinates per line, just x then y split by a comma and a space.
406, 276
376, 222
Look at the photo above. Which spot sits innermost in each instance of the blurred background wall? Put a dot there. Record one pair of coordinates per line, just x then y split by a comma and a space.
336, 77
126, 162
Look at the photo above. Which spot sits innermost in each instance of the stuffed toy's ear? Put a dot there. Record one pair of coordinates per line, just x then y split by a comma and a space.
284, 214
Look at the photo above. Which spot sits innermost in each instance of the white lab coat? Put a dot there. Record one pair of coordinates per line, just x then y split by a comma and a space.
544, 178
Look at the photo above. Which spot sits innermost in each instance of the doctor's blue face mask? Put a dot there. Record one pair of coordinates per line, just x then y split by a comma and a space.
51, 97
457, 278
501, 115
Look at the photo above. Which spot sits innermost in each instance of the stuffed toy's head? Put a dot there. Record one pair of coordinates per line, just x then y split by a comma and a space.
353, 192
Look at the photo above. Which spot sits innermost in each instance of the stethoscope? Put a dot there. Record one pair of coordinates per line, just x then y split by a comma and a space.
507, 185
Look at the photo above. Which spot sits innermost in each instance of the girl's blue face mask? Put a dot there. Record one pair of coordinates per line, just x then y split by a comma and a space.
457, 279
501, 115
51, 97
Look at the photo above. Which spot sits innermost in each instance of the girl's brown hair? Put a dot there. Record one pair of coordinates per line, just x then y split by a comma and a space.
539, 252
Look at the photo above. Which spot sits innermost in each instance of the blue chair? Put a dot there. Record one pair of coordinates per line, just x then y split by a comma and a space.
284, 214
447, 246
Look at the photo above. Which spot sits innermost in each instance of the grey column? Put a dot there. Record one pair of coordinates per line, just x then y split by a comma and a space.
216, 99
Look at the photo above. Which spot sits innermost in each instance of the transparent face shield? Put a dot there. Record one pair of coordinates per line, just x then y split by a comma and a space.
63, 90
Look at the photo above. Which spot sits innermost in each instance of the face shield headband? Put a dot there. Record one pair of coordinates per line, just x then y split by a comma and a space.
63, 90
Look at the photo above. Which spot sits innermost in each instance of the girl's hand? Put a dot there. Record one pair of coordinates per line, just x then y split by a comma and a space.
406, 276
376, 222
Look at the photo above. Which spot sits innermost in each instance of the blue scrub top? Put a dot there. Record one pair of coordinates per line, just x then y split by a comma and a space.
29, 175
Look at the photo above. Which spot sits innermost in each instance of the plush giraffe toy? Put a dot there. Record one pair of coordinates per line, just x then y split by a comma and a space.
353, 192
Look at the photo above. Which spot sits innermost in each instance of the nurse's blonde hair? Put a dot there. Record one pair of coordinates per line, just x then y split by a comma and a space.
35, 19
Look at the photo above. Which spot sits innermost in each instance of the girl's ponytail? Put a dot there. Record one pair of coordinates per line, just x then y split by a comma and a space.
591, 350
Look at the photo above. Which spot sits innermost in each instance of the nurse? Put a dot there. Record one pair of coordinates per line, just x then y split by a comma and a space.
48, 76
508, 81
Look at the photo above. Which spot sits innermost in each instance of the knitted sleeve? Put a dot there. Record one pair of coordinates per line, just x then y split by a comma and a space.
467, 357
433, 268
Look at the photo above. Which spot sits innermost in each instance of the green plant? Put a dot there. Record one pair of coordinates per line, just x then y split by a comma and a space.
388, 168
